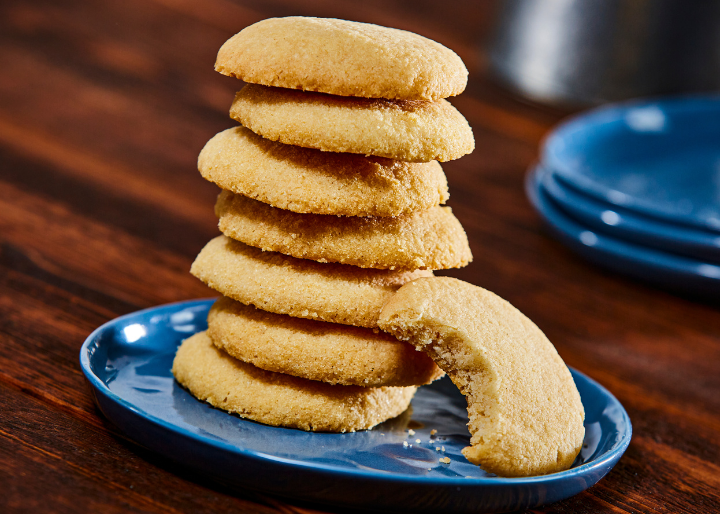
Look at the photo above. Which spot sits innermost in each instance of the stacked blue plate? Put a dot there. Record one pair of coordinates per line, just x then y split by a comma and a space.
636, 188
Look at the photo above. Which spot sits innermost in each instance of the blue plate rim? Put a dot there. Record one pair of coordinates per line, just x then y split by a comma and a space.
582, 182
638, 254
660, 234
612, 455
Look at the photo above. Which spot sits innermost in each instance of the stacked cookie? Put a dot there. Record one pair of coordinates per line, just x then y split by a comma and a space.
331, 201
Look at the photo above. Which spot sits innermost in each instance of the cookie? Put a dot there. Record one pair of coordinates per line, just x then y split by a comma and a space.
284, 285
344, 58
309, 181
282, 400
429, 239
526, 417
316, 350
408, 130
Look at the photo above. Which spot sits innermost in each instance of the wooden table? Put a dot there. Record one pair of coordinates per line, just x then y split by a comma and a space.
104, 107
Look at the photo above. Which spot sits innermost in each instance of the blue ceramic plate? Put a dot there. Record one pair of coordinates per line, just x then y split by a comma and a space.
679, 273
127, 363
660, 158
625, 224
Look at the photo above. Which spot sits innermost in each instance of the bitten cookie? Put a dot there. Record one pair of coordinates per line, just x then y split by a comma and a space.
309, 181
284, 285
415, 131
344, 58
316, 350
526, 417
281, 400
430, 239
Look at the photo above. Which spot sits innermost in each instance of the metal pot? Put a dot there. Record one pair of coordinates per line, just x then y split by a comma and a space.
593, 51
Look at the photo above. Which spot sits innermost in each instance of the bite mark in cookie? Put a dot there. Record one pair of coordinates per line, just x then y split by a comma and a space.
526, 417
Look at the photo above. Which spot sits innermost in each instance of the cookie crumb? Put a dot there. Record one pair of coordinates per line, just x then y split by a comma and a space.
445, 460
405, 444
433, 432
418, 441
437, 448
411, 431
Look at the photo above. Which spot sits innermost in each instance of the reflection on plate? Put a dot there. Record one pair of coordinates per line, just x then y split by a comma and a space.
127, 363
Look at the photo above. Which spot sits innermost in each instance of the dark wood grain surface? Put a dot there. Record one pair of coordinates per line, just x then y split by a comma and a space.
104, 106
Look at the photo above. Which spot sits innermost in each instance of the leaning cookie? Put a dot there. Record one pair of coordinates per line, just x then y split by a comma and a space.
281, 400
344, 58
526, 417
309, 181
285, 285
414, 131
430, 239
316, 350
